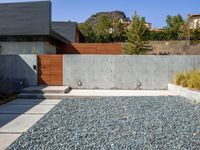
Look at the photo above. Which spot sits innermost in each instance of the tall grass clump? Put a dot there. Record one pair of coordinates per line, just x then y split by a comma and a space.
190, 79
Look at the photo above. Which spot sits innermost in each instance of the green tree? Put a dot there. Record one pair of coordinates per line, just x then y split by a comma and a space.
88, 32
157, 36
185, 30
118, 34
174, 23
136, 42
104, 29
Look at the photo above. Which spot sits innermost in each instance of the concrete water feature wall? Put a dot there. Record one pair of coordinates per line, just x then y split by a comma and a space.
124, 72
17, 72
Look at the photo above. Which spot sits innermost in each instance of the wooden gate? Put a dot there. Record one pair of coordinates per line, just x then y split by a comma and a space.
50, 69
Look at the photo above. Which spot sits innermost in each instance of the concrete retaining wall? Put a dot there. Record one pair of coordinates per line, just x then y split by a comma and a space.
190, 94
17, 72
124, 72
174, 48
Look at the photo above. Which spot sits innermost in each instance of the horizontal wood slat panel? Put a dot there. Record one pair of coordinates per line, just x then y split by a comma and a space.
44, 60
44, 79
56, 79
92, 48
50, 69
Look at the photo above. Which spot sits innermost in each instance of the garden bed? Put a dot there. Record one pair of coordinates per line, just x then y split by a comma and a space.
5, 98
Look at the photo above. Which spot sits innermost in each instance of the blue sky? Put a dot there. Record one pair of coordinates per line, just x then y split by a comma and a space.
155, 11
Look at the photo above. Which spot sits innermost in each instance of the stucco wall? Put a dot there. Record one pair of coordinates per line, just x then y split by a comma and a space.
174, 48
17, 72
124, 72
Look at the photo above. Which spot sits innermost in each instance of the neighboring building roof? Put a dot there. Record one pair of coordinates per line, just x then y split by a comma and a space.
195, 15
66, 29
25, 18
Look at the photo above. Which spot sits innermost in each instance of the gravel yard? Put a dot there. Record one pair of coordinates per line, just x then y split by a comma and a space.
163, 123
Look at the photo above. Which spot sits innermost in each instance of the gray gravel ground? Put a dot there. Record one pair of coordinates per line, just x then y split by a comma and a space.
163, 123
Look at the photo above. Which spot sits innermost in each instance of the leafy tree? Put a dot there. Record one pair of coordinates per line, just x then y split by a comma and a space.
88, 32
185, 30
195, 35
104, 29
174, 23
157, 36
118, 34
136, 40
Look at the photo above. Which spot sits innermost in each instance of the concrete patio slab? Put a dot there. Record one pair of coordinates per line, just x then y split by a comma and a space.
120, 93
19, 124
19, 115
34, 102
7, 139
25, 109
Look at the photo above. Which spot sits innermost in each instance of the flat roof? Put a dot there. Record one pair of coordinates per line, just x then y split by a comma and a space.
25, 18
66, 29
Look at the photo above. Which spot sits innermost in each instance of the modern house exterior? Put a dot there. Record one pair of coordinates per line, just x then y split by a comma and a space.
27, 28
69, 30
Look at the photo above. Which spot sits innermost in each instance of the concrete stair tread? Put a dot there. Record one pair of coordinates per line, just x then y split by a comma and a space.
47, 89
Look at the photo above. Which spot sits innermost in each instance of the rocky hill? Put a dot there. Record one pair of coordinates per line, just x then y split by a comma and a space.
114, 15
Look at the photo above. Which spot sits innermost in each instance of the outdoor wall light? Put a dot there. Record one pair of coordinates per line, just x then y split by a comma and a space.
79, 83
21, 83
35, 67
139, 84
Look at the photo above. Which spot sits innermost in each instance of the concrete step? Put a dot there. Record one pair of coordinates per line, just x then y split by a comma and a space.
42, 96
47, 89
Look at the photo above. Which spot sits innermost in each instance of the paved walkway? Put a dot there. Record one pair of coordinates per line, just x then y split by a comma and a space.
19, 115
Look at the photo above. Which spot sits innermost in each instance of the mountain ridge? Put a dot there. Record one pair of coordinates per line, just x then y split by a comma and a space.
113, 15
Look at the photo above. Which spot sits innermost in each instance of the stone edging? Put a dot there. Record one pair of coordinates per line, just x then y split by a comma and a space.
185, 92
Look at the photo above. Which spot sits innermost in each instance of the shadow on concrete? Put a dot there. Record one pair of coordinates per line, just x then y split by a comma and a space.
17, 72
12, 110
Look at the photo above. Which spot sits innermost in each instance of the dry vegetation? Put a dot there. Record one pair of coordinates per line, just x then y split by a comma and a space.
4, 98
190, 79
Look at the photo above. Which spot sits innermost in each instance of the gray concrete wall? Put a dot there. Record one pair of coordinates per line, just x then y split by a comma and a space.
49, 49
17, 72
15, 48
123, 72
